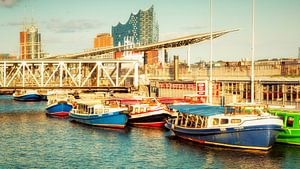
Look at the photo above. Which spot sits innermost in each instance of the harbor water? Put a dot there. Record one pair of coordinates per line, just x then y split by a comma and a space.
30, 139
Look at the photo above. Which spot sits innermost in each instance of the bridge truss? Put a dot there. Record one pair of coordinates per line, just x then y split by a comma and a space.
68, 74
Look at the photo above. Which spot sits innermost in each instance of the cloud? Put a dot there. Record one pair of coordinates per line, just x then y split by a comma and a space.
194, 27
12, 23
8, 3
78, 25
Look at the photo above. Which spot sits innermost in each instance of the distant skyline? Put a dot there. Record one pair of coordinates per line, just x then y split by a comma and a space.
69, 26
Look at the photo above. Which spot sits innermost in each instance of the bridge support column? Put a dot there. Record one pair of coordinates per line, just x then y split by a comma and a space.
61, 73
42, 74
23, 74
79, 74
163, 57
4, 74
136, 75
189, 58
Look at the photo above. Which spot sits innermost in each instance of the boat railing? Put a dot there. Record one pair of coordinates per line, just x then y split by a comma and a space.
190, 120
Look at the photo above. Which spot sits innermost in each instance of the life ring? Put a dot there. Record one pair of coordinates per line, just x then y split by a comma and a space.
74, 104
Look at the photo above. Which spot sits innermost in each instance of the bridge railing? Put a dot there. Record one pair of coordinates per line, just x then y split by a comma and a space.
68, 73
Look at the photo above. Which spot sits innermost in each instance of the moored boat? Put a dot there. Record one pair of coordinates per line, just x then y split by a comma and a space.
291, 126
148, 113
238, 125
99, 115
28, 95
59, 104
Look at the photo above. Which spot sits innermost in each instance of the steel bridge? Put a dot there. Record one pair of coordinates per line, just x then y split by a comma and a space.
69, 74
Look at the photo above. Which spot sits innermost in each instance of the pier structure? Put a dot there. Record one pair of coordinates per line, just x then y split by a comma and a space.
69, 74
276, 81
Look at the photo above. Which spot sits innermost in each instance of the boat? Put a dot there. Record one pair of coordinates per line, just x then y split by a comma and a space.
98, 114
240, 125
148, 113
28, 95
59, 104
291, 126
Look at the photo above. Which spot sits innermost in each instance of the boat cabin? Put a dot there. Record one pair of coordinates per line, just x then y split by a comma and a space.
139, 108
290, 119
195, 99
90, 109
245, 109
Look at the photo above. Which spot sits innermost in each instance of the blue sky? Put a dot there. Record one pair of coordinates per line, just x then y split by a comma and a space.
69, 26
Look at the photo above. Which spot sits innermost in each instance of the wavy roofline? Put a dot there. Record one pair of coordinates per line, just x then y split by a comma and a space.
119, 23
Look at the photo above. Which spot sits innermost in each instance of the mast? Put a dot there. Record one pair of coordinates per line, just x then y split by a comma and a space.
252, 52
211, 53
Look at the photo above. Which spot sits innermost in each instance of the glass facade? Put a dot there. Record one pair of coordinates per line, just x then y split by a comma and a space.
141, 28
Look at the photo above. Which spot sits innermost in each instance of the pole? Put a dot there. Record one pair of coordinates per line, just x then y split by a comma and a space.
211, 53
252, 51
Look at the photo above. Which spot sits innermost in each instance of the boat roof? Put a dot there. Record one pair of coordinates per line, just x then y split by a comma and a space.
202, 110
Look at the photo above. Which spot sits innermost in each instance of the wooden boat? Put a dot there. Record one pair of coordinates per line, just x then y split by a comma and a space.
237, 125
99, 115
148, 113
28, 95
291, 126
59, 104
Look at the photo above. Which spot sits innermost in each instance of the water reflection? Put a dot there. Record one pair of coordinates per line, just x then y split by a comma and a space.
30, 139
221, 157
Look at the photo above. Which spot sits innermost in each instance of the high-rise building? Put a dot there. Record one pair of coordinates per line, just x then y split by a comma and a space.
142, 28
30, 43
103, 40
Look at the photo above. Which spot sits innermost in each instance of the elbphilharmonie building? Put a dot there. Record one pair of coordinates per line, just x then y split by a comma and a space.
141, 28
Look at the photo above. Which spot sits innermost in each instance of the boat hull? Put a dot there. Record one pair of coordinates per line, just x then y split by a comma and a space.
111, 120
260, 137
59, 109
29, 97
289, 136
156, 120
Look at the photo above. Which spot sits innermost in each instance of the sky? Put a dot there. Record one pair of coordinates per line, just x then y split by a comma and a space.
69, 26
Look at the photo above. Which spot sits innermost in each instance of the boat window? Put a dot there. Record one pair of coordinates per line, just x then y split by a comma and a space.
290, 121
136, 110
224, 121
106, 110
235, 121
215, 121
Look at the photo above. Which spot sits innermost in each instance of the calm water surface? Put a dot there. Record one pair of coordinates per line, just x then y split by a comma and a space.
30, 139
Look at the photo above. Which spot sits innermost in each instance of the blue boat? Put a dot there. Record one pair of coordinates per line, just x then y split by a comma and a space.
61, 109
29, 96
99, 115
59, 104
239, 125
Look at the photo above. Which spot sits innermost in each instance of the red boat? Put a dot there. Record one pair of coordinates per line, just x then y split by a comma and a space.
148, 113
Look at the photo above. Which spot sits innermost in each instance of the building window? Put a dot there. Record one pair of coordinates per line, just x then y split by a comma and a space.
290, 122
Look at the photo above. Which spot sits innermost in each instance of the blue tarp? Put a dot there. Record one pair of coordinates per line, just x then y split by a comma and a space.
202, 110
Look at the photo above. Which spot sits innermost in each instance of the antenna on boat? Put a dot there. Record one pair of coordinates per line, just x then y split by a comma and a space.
252, 52
211, 53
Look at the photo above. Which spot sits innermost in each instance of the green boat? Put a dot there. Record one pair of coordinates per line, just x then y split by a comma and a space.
291, 126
